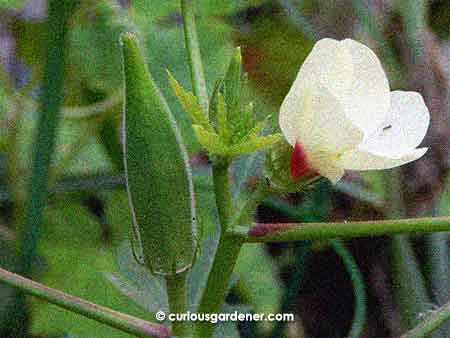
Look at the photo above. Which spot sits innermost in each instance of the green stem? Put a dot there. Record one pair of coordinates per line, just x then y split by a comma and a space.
59, 12
289, 232
359, 316
226, 254
228, 248
409, 285
218, 281
222, 192
177, 294
121, 321
51, 99
193, 49
435, 319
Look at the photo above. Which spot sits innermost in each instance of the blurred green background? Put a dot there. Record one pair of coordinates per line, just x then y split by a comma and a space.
82, 240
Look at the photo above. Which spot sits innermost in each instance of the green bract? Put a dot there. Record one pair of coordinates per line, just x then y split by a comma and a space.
159, 180
231, 129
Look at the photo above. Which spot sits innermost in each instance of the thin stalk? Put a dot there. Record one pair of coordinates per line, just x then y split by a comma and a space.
193, 50
298, 19
293, 287
59, 12
289, 232
120, 321
434, 321
177, 294
359, 317
51, 99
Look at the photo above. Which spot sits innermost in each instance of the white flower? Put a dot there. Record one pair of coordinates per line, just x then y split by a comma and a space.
342, 113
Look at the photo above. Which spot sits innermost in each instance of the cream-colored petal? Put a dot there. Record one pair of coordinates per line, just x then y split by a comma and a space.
312, 116
367, 101
330, 64
363, 160
404, 129
326, 165
334, 174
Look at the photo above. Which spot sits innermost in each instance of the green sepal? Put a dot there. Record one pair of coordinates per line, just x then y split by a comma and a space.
210, 141
277, 170
189, 103
222, 119
158, 176
233, 82
254, 144
233, 130
213, 143
258, 128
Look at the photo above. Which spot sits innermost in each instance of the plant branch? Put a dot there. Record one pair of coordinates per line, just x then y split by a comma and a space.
289, 232
121, 321
193, 49
434, 320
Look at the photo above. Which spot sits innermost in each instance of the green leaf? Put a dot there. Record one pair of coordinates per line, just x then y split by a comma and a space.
93, 45
137, 283
147, 290
75, 257
258, 279
189, 103
159, 179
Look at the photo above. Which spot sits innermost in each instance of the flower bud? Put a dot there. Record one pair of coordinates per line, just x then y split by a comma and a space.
287, 168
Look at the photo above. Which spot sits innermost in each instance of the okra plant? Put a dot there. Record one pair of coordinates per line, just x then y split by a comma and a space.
339, 114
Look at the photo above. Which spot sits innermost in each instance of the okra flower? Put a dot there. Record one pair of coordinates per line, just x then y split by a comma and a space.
340, 114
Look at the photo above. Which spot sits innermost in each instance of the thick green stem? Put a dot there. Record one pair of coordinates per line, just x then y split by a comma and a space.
177, 294
228, 248
218, 281
193, 49
121, 321
434, 320
289, 232
226, 254
222, 192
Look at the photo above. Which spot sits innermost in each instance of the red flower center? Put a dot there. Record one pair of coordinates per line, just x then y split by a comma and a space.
299, 161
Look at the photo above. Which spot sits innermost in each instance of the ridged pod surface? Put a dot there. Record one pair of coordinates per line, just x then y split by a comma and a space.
158, 176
